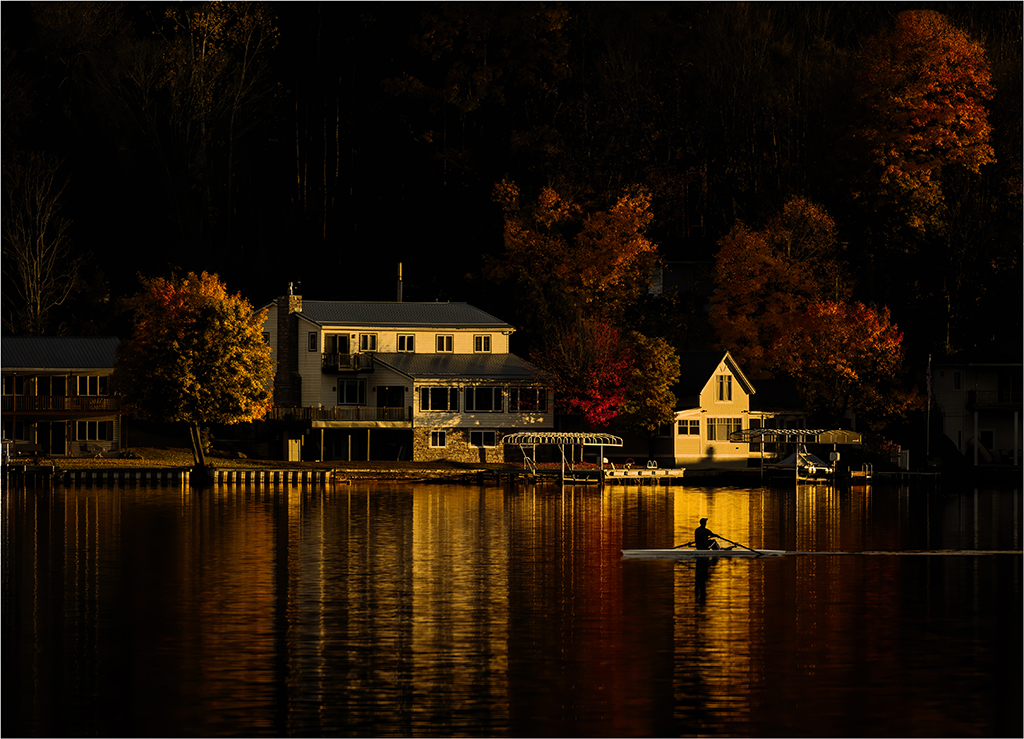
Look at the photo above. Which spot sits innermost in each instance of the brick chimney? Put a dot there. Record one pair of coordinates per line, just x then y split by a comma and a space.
287, 381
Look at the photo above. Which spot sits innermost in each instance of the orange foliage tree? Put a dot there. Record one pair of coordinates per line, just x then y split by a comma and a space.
922, 87
567, 259
847, 357
764, 280
197, 356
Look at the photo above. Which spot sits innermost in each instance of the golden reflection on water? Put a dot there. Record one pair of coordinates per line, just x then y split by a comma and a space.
430, 609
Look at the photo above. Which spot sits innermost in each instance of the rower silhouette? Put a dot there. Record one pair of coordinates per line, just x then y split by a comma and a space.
703, 537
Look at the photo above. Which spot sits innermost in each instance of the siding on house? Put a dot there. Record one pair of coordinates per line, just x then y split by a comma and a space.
718, 395
980, 404
56, 396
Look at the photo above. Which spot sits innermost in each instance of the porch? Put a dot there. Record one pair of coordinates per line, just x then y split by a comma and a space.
342, 414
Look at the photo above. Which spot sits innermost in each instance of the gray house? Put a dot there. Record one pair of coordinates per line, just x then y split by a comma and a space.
56, 395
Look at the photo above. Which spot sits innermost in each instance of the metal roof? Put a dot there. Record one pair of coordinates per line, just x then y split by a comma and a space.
562, 438
461, 366
399, 315
809, 436
22, 353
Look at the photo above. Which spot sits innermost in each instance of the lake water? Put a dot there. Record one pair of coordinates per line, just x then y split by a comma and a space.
440, 610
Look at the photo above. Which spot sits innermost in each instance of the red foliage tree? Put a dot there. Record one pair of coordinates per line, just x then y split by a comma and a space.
592, 368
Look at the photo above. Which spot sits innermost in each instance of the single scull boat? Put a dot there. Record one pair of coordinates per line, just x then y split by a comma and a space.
699, 553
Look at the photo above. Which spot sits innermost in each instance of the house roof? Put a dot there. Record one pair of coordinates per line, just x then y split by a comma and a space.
506, 367
58, 352
696, 368
399, 315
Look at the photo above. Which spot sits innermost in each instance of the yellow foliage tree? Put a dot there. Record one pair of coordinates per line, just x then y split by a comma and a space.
197, 356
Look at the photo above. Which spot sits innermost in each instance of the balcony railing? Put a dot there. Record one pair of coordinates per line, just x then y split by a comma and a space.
59, 404
335, 362
339, 413
994, 399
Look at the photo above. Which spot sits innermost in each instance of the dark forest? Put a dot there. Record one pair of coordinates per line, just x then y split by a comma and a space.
325, 143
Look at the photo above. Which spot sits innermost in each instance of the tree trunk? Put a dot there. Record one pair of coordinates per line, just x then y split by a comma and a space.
197, 445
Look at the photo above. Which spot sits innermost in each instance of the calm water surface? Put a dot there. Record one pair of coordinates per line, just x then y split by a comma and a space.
429, 610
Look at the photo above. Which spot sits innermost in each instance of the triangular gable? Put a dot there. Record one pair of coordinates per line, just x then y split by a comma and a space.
697, 369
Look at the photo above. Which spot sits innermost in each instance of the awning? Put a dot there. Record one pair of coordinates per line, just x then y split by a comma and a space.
806, 436
561, 438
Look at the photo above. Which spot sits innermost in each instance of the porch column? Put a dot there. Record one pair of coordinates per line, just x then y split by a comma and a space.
976, 442
1016, 435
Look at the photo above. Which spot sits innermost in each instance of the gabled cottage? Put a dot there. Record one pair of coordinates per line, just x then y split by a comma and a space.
57, 398
397, 380
715, 402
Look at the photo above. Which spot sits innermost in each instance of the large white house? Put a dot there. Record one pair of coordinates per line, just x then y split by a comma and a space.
399, 380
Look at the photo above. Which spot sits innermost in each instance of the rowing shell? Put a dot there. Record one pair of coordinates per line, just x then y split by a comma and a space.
699, 553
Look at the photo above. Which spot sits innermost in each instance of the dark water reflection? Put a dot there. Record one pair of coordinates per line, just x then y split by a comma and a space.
417, 610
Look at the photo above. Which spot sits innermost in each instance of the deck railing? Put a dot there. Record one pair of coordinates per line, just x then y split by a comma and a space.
59, 404
336, 362
339, 413
994, 399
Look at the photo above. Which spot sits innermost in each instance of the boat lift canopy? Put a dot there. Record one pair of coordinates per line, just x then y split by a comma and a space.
561, 439
805, 436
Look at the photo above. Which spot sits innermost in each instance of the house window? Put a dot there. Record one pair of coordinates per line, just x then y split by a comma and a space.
367, 342
724, 383
689, 428
352, 392
95, 430
445, 343
14, 385
92, 384
483, 438
486, 399
438, 439
439, 399
406, 342
720, 428
336, 344
527, 399
314, 343
16, 429
482, 343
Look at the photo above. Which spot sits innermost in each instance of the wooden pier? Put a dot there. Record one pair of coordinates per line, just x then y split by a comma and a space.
642, 476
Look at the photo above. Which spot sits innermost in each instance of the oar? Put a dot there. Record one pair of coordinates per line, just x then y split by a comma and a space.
738, 545
687, 544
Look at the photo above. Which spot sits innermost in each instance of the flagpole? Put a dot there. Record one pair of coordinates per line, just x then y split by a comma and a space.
928, 415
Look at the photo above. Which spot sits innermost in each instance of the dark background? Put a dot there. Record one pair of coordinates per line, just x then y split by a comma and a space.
376, 134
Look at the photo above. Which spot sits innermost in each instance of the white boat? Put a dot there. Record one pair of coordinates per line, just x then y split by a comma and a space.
687, 553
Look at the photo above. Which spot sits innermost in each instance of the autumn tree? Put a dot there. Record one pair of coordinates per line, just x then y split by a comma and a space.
650, 402
922, 87
592, 367
564, 258
765, 279
39, 265
847, 357
197, 356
